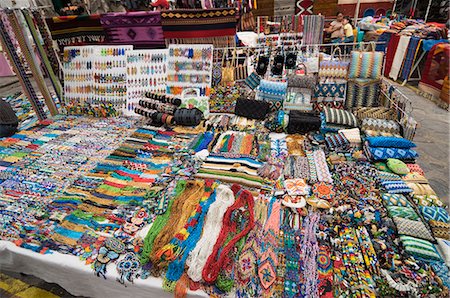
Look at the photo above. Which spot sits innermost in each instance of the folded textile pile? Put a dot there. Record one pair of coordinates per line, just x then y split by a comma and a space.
382, 148
76, 30
206, 26
232, 169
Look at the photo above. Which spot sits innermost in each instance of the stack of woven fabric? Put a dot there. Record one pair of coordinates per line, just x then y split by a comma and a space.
382, 148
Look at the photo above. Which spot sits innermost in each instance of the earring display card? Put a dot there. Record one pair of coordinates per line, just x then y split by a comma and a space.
95, 75
77, 69
146, 71
110, 75
190, 66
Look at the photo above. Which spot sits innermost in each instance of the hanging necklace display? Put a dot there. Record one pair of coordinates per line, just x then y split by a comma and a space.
20, 71
189, 70
95, 79
31, 60
146, 71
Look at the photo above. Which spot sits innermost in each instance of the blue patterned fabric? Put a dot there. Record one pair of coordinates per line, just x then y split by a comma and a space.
253, 80
382, 153
333, 91
390, 142
365, 65
273, 92
442, 271
434, 213
396, 187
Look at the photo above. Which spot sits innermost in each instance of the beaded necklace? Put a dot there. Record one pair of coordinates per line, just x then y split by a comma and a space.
268, 259
171, 251
236, 213
308, 253
213, 225
179, 214
159, 224
292, 257
248, 283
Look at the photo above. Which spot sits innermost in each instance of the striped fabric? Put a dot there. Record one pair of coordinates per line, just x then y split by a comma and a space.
420, 248
342, 117
399, 57
390, 53
366, 65
363, 93
413, 48
242, 170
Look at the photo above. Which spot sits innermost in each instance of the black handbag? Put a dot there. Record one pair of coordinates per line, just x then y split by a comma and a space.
263, 64
303, 122
253, 109
278, 64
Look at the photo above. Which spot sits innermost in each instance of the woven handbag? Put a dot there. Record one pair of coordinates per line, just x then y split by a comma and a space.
241, 71
227, 70
363, 93
334, 68
366, 65
253, 80
375, 112
298, 99
332, 90
301, 79
302, 122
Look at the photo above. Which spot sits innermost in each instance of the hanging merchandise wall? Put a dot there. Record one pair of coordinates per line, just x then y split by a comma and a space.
304, 185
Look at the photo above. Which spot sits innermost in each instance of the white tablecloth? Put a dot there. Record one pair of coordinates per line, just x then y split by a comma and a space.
77, 278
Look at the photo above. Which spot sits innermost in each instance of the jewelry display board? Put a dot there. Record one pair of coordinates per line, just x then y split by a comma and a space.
146, 71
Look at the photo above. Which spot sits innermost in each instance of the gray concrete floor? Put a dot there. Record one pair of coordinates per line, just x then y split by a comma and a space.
432, 140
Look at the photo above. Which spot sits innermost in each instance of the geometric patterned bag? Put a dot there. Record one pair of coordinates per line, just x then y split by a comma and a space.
330, 90
362, 93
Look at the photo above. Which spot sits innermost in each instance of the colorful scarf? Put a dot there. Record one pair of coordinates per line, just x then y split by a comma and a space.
142, 29
216, 26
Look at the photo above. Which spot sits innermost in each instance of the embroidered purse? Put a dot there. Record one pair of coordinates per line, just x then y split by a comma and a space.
227, 71
301, 79
253, 80
272, 92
